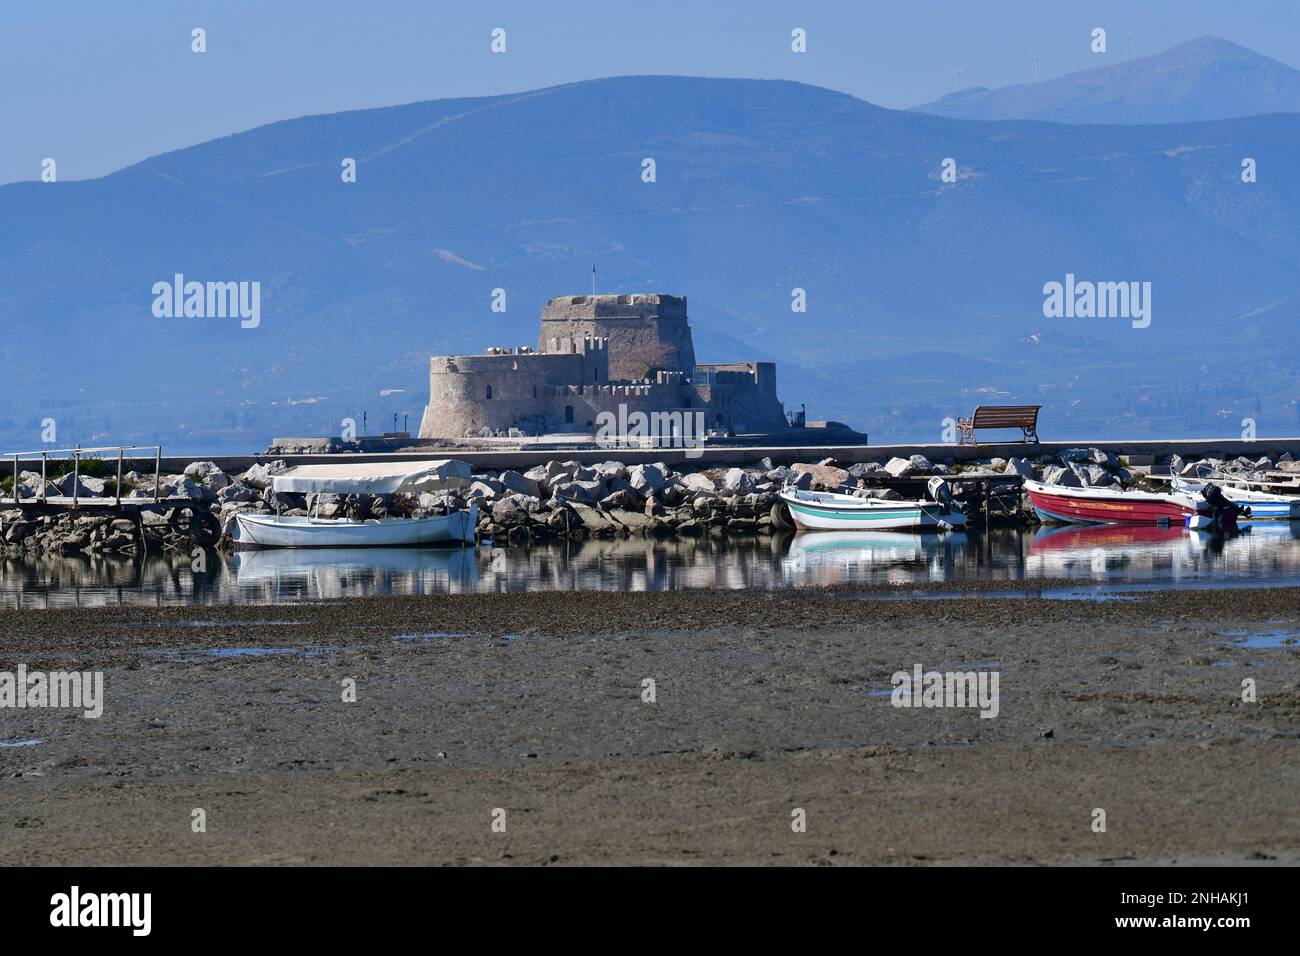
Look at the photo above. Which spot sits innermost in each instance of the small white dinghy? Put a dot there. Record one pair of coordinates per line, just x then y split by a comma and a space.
383, 478
828, 511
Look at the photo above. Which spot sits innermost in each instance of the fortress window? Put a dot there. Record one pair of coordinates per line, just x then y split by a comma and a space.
568, 414
489, 392
595, 375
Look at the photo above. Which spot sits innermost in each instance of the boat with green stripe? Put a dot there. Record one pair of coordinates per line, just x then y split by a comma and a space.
830, 511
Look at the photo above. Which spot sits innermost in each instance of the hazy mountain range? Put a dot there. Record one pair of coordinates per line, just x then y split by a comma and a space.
1203, 79
925, 297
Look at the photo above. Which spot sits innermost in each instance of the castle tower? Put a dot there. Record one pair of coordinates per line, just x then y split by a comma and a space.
646, 332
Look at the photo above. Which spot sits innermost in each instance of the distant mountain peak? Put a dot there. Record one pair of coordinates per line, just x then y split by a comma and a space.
1207, 78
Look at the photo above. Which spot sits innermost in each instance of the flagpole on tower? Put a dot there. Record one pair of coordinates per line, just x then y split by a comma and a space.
593, 278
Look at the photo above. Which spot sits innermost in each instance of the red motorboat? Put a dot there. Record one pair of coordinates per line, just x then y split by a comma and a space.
1058, 503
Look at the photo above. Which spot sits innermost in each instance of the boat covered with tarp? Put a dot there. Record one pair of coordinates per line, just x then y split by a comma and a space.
369, 478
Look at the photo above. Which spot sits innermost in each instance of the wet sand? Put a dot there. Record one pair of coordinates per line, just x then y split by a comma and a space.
765, 702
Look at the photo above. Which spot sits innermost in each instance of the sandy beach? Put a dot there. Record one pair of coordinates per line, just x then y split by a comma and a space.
765, 703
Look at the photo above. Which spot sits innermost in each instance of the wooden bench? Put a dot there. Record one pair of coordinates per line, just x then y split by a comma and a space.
1024, 417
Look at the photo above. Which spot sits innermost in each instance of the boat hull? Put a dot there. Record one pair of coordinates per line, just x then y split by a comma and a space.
1261, 504
276, 531
1058, 504
812, 511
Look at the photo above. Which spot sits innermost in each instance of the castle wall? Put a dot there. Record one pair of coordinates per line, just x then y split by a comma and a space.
579, 373
645, 332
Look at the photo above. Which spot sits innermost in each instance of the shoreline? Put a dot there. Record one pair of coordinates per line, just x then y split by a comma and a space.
766, 701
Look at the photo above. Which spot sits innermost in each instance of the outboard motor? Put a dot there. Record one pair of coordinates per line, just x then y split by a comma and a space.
939, 491
1223, 513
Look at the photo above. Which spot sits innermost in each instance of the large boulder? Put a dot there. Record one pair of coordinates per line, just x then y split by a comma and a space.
583, 492
1018, 466
698, 483
237, 492
737, 481
865, 469
259, 476
881, 494
515, 483
1086, 456
1097, 476
325, 505
85, 487
487, 488
201, 470
619, 498
609, 470
646, 479
900, 467
511, 510
637, 522
823, 477
1061, 475
593, 520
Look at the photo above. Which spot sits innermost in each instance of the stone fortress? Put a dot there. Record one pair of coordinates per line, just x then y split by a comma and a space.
596, 353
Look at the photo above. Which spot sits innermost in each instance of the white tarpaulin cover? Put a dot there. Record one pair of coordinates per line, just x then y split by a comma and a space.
374, 478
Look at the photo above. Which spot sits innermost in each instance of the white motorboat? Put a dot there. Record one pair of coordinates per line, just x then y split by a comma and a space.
829, 511
1241, 492
386, 478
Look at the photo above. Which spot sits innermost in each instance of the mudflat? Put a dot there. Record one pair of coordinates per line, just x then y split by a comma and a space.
769, 708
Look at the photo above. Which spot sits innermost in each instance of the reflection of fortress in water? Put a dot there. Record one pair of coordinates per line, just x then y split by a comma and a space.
596, 353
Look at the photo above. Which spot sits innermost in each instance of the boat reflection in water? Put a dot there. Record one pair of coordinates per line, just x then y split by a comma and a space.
1101, 555
1257, 551
837, 557
314, 573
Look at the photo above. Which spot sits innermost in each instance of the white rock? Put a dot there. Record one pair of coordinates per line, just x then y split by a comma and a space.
1018, 466
646, 479
699, 484
899, 467
201, 470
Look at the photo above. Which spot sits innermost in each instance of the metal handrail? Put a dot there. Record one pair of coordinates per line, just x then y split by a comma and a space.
75, 448
76, 453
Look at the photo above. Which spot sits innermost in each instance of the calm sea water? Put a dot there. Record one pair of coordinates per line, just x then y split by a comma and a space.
1103, 560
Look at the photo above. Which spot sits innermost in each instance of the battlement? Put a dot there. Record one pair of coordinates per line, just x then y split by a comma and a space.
641, 305
561, 345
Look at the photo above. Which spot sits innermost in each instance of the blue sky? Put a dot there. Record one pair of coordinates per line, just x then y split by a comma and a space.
100, 84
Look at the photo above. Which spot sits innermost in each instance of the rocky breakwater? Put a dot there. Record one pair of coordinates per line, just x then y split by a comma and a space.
571, 499
561, 499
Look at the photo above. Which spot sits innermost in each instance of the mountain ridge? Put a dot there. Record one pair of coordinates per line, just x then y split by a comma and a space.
762, 186
1201, 80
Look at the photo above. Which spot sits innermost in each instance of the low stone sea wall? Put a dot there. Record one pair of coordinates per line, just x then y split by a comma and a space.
558, 499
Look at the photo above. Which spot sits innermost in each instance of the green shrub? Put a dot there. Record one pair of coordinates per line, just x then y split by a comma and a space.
110, 487
89, 468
